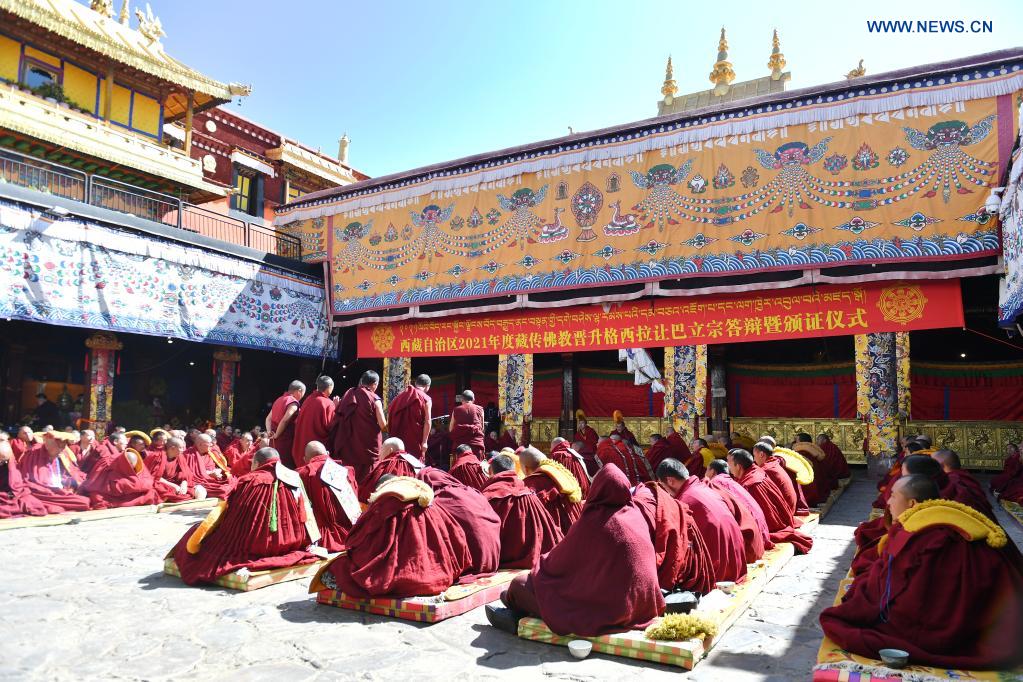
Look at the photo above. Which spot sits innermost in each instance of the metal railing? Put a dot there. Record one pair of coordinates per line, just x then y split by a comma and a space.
97, 190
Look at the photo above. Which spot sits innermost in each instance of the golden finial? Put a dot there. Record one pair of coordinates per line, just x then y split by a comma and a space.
670, 87
149, 25
777, 61
104, 7
123, 17
722, 75
857, 72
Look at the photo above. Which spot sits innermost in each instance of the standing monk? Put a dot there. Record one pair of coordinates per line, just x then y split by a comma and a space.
280, 422
315, 418
584, 432
408, 416
358, 424
467, 424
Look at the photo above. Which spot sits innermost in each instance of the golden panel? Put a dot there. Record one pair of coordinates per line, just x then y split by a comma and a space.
80, 87
145, 114
10, 56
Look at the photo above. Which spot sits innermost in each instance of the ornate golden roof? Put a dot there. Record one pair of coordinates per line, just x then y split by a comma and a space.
103, 34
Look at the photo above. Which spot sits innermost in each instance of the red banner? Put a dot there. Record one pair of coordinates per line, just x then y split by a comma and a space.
836, 310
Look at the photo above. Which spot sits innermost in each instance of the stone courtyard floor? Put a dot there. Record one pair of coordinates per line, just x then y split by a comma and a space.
90, 602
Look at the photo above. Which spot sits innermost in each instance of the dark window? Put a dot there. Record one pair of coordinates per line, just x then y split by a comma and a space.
36, 75
248, 192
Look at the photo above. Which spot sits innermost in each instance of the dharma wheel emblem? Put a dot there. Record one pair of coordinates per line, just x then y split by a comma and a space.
383, 338
902, 304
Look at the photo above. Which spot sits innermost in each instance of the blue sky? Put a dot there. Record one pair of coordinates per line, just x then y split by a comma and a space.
419, 83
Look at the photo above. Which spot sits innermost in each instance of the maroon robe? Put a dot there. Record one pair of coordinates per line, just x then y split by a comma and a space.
506, 441
315, 421
963, 487
471, 511
86, 461
658, 452
1012, 471
394, 464
193, 468
835, 459
949, 602
15, 497
120, 485
752, 538
680, 450
784, 480
634, 466
36, 469
162, 468
285, 445
616, 588
724, 483
527, 528
406, 418
719, 529
468, 427
400, 549
683, 559
563, 454
357, 438
776, 509
467, 470
587, 436
243, 464
438, 449
246, 536
330, 515
590, 460
20, 447
564, 511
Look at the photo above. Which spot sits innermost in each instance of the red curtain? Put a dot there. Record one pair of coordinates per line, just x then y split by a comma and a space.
773, 393
602, 392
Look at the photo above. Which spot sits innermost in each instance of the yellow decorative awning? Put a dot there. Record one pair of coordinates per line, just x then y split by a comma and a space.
309, 161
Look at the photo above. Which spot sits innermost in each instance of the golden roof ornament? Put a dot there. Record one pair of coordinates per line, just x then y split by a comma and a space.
149, 25
670, 87
104, 7
723, 74
777, 60
123, 17
857, 72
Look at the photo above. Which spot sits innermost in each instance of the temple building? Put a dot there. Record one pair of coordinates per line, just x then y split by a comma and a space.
754, 260
134, 230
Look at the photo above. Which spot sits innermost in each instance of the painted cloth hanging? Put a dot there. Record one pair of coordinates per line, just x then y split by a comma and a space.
902, 375
685, 386
876, 400
397, 377
515, 387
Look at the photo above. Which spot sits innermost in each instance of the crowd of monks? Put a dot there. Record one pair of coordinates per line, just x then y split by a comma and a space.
608, 536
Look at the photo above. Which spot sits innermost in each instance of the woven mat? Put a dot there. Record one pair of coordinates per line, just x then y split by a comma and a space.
255, 580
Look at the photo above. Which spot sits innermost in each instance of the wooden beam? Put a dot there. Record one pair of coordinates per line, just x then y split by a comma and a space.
189, 111
109, 87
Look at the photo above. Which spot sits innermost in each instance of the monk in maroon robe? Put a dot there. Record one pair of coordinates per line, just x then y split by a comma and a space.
590, 459
23, 442
774, 467
438, 448
962, 486
622, 431
721, 481
713, 518
403, 545
264, 524
602, 578
333, 493
1012, 470
394, 461
52, 477
776, 510
614, 450
554, 485
126, 482
316, 419
86, 451
684, 561
202, 466
507, 440
660, 449
168, 478
527, 528
944, 589
467, 469
834, 456
470, 510
584, 432
358, 424
825, 480
467, 424
563, 454
15, 497
280, 421
409, 414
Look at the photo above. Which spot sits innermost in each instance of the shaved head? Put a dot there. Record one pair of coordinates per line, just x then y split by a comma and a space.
530, 458
392, 445
264, 455
314, 449
921, 464
501, 463
948, 459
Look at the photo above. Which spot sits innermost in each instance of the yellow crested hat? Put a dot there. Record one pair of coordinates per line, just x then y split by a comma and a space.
59, 435
141, 434
580, 415
156, 431
618, 417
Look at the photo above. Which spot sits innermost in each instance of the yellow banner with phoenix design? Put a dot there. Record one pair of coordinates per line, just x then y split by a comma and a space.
905, 185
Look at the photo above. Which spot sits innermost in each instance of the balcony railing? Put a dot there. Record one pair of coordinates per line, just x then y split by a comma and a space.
96, 190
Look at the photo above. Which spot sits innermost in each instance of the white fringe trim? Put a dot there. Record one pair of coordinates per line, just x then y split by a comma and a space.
807, 113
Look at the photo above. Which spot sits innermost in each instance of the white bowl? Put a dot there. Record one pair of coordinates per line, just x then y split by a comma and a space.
580, 648
726, 586
894, 658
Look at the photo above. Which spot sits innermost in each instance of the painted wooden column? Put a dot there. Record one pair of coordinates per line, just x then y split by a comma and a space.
397, 376
569, 392
463, 376
108, 90
101, 364
902, 379
189, 112
877, 401
718, 390
226, 366
515, 392
685, 388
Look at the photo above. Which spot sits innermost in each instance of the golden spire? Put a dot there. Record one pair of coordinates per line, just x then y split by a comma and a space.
777, 61
104, 7
857, 72
722, 75
123, 17
670, 87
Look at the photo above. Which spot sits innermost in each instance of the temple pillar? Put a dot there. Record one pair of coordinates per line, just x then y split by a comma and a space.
718, 391
189, 111
566, 424
226, 365
462, 374
515, 392
101, 362
877, 401
396, 377
13, 378
685, 388
902, 380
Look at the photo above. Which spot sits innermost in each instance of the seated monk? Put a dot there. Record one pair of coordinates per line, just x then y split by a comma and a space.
719, 529
15, 497
168, 478
700, 456
52, 477
719, 449
776, 509
684, 562
554, 485
563, 454
403, 545
720, 480
333, 493
824, 481
945, 589
602, 578
471, 511
621, 430
264, 523
126, 482
590, 459
834, 456
466, 468
962, 486
584, 433
86, 451
774, 467
659, 450
438, 448
394, 461
527, 528
614, 450
242, 453
203, 466
23, 442
742, 441
1012, 470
